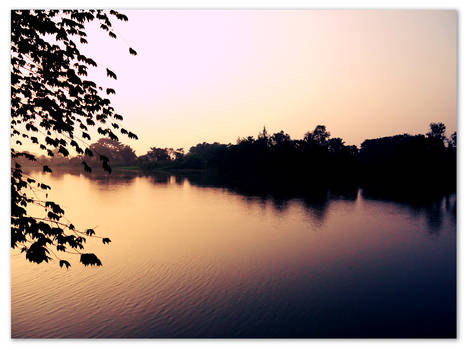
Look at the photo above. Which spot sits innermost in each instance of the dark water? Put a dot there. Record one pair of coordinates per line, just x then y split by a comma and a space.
199, 261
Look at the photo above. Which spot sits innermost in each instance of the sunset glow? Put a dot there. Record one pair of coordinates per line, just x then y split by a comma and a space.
217, 75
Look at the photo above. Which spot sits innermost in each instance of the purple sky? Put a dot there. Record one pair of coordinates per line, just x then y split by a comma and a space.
214, 75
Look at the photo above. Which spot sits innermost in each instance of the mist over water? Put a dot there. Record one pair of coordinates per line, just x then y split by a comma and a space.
201, 261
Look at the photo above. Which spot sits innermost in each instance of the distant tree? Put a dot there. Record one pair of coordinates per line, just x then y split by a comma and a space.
127, 155
280, 138
179, 153
318, 137
204, 155
159, 154
115, 151
246, 140
437, 131
422, 164
263, 134
204, 149
336, 145
264, 139
54, 106
453, 140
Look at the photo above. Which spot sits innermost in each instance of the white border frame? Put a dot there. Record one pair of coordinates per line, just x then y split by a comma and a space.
6, 6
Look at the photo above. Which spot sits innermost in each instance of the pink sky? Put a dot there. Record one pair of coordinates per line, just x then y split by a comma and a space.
214, 75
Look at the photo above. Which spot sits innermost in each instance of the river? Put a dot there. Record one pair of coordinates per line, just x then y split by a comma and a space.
202, 261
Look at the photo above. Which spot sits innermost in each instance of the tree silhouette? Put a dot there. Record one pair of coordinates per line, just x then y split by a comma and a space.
437, 131
54, 106
158, 154
453, 140
115, 151
336, 145
319, 136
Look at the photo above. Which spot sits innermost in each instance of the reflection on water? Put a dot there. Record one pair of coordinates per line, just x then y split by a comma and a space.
193, 257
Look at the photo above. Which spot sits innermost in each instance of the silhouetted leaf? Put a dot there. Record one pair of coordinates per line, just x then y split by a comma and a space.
90, 259
63, 151
46, 169
64, 263
132, 136
111, 74
37, 253
44, 186
61, 247
91, 63
106, 167
122, 17
87, 168
53, 216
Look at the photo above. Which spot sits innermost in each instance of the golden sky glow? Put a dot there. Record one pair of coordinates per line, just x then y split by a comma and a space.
210, 75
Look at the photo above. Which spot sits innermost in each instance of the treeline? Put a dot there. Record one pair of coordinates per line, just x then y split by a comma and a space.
424, 164
277, 158
397, 166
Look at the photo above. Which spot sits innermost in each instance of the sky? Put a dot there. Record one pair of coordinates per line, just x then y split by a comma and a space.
216, 75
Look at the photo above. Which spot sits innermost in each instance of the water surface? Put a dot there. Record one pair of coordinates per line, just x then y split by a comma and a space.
192, 261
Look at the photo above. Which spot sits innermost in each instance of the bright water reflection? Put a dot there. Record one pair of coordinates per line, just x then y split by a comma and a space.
191, 261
